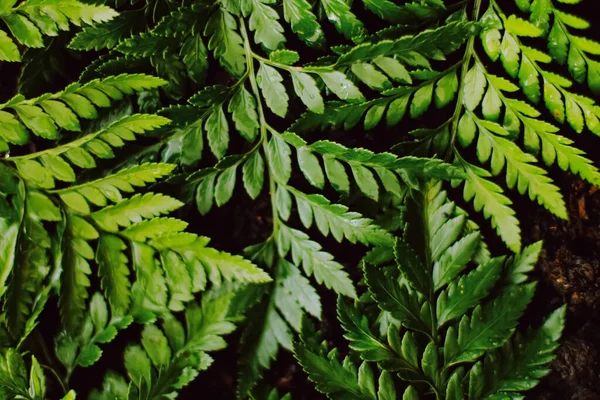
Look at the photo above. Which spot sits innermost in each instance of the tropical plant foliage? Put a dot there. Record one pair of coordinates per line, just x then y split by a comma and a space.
220, 98
444, 325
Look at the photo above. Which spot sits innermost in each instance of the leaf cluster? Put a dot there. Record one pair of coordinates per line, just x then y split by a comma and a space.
435, 319
227, 101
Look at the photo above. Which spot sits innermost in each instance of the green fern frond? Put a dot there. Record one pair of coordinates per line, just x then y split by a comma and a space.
481, 100
29, 20
565, 46
110, 188
474, 312
81, 348
133, 210
314, 261
43, 167
47, 114
173, 354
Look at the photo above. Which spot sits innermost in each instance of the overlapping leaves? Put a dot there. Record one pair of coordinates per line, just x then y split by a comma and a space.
434, 289
29, 20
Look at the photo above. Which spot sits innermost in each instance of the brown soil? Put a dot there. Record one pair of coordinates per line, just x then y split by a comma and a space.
569, 272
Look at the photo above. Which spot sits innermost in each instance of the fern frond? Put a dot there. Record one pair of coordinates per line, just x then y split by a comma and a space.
314, 261
80, 348
109, 188
76, 270
225, 41
388, 167
488, 198
31, 266
31, 19
478, 341
149, 266
133, 210
172, 354
518, 371
15, 381
260, 344
106, 35
432, 44
299, 14
43, 167
340, 15
565, 46
45, 115
330, 218
342, 380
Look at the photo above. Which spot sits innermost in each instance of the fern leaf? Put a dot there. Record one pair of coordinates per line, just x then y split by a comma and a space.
338, 380
358, 333
224, 266
152, 228
10, 222
388, 167
133, 210
82, 348
29, 20
488, 327
149, 292
76, 270
178, 353
488, 197
243, 109
521, 370
107, 34
263, 20
260, 344
226, 42
314, 261
44, 114
557, 149
439, 233
466, 293
273, 90
28, 274
335, 219
8, 49
455, 259
396, 299
427, 43
79, 152
519, 170
519, 265
112, 267
304, 23
338, 12
109, 188
145, 45
295, 294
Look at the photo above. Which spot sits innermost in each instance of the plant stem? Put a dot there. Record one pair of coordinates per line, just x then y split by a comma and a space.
465, 69
56, 376
262, 120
